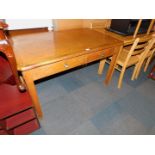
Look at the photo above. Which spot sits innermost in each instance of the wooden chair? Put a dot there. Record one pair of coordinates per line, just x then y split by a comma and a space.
138, 27
129, 56
149, 53
6, 49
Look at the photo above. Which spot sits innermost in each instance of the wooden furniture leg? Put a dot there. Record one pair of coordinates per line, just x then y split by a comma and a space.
121, 77
112, 65
147, 63
138, 69
134, 72
145, 66
32, 90
101, 66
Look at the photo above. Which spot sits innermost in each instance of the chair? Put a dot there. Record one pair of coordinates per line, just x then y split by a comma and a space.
129, 56
147, 57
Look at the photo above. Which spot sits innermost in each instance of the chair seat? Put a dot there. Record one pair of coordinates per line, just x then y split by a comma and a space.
12, 100
122, 58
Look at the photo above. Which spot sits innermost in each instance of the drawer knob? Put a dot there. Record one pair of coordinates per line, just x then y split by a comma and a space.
66, 66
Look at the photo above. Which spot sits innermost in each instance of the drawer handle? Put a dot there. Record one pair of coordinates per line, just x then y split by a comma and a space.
66, 66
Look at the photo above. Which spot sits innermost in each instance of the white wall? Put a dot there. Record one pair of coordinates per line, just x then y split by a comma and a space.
28, 23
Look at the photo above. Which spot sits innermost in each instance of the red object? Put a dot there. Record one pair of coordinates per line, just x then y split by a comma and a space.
17, 115
25, 128
7, 51
6, 75
152, 73
12, 100
16, 111
18, 119
3, 132
3, 25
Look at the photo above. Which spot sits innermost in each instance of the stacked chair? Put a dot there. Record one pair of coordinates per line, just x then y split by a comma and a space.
137, 53
17, 115
146, 59
132, 55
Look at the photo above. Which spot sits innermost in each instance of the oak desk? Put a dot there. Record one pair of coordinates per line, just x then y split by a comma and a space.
43, 53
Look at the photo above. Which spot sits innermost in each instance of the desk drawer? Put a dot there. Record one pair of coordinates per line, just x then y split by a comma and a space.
3, 132
18, 119
58, 67
73, 62
26, 128
99, 55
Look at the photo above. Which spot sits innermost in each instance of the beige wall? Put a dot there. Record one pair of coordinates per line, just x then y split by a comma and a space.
62, 24
96, 23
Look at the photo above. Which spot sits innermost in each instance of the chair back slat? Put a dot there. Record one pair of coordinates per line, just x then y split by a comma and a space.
141, 46
148, 52
153, 47
150, 48
139, 51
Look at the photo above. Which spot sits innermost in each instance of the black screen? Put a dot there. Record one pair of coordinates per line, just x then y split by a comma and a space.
128, 26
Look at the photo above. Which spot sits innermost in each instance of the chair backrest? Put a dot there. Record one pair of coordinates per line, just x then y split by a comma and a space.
138, 27
139, 47
6, 49
150, 49
153, 49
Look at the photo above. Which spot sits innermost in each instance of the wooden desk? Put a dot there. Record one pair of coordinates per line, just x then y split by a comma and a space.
41, 54
125, 39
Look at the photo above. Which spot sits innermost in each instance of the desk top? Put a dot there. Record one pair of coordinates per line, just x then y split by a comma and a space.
36, 48
126, 39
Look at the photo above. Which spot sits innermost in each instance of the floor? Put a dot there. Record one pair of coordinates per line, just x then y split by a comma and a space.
78, 103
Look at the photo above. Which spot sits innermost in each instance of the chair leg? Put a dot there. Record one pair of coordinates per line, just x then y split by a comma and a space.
147, 64
121, 77
138, 69
134, 72
101, 66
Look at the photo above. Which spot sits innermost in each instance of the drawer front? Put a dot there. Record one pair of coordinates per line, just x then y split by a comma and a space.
3, 132
26, 128
18, 119
74, 62
1, 127
99, 55
58, 67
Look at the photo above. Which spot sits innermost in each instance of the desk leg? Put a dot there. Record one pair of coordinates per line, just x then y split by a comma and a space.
33, 93
112, 65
